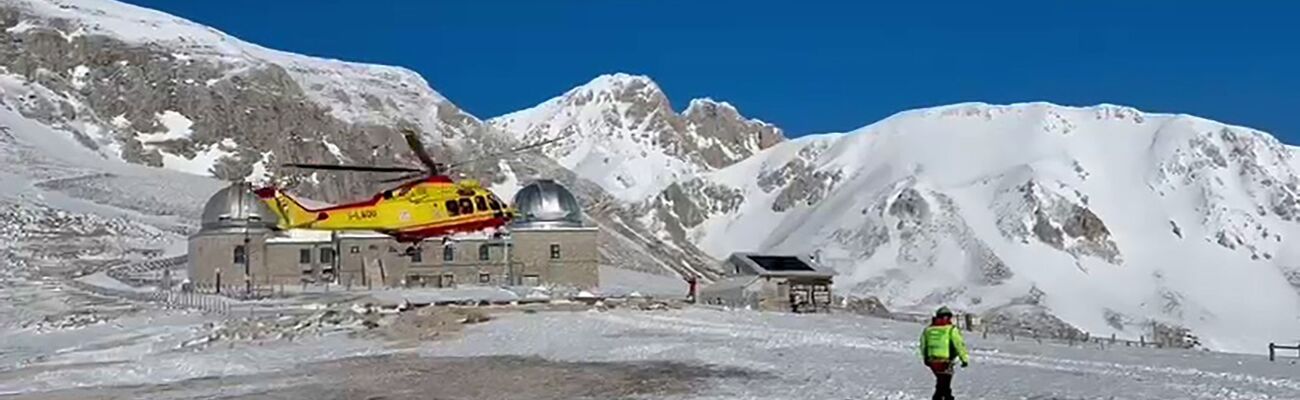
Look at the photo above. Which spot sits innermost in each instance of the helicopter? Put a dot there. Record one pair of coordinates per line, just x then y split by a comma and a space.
428, 204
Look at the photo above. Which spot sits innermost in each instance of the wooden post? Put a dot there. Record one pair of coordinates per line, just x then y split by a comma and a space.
1271, 346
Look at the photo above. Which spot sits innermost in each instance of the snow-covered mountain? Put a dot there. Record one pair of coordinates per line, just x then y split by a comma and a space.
620, 131
1100, 219
137, 86
1105, 217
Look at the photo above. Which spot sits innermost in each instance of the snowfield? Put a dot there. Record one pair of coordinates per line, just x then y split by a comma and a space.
841, 356
770, 356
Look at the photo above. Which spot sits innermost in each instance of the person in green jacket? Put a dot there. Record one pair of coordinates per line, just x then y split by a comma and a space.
941, 344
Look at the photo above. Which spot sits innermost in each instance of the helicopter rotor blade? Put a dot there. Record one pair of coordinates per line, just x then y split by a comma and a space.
413, 140
406, 177
504, 153
363, 168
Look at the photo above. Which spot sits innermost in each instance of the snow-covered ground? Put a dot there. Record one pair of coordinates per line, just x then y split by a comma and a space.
842, 356
783, 356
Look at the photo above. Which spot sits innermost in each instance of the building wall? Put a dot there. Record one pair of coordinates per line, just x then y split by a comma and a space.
728, 294
373, 261
577, 262
210, 253
463, 262
287, 265
381, 261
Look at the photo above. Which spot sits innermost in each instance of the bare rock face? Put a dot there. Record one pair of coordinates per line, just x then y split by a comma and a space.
920, 220
736, 137
1058, 218
1029, 321
869, 305
120, 97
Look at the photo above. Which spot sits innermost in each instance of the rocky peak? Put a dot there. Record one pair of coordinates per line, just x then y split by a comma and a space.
617, 88
620, 130
734, 137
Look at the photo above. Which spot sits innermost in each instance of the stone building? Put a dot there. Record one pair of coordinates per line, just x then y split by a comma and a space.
771, 283
547, 244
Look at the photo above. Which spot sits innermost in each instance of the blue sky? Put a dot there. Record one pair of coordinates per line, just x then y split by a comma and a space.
812, 66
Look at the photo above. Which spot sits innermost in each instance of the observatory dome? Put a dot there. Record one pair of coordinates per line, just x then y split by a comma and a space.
235, 208
546, 204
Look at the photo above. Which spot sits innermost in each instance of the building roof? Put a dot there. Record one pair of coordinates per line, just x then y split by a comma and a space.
776, 265
234, 209
545, 203
301, 236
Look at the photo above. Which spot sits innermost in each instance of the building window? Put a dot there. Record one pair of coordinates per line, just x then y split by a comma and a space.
448, 280
327, 256
484, 252
448, 253
355, 249
555, 251
304, 256
241, 255
484, 278
417, 256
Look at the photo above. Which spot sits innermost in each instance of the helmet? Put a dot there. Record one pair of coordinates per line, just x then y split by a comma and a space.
943, 312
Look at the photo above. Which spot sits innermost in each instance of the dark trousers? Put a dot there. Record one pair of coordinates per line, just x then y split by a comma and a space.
942, 379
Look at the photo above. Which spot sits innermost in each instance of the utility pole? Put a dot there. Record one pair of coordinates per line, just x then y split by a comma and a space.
510, 268
248, 219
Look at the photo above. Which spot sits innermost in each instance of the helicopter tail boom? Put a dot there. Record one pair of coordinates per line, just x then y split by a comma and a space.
292, 213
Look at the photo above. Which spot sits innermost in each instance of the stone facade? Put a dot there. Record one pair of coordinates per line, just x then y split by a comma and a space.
558, 256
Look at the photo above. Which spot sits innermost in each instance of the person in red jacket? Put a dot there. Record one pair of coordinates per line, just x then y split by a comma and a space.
941, 344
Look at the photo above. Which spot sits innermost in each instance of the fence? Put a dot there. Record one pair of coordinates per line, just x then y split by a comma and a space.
131, 274
965, 322
202, 302
1273, 348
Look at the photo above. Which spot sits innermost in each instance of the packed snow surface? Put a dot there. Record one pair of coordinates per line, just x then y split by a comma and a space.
842, 356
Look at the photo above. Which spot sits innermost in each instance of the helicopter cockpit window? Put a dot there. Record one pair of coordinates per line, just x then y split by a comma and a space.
466, 205
493, 203
388, 194
453, 208
481, 203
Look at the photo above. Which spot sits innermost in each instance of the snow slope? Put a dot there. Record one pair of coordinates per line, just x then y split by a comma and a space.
1106, 217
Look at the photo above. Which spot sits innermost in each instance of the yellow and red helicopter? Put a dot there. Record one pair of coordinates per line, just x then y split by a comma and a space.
429, 204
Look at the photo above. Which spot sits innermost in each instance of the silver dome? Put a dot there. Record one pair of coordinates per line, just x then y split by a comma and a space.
544, 203
234, 208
